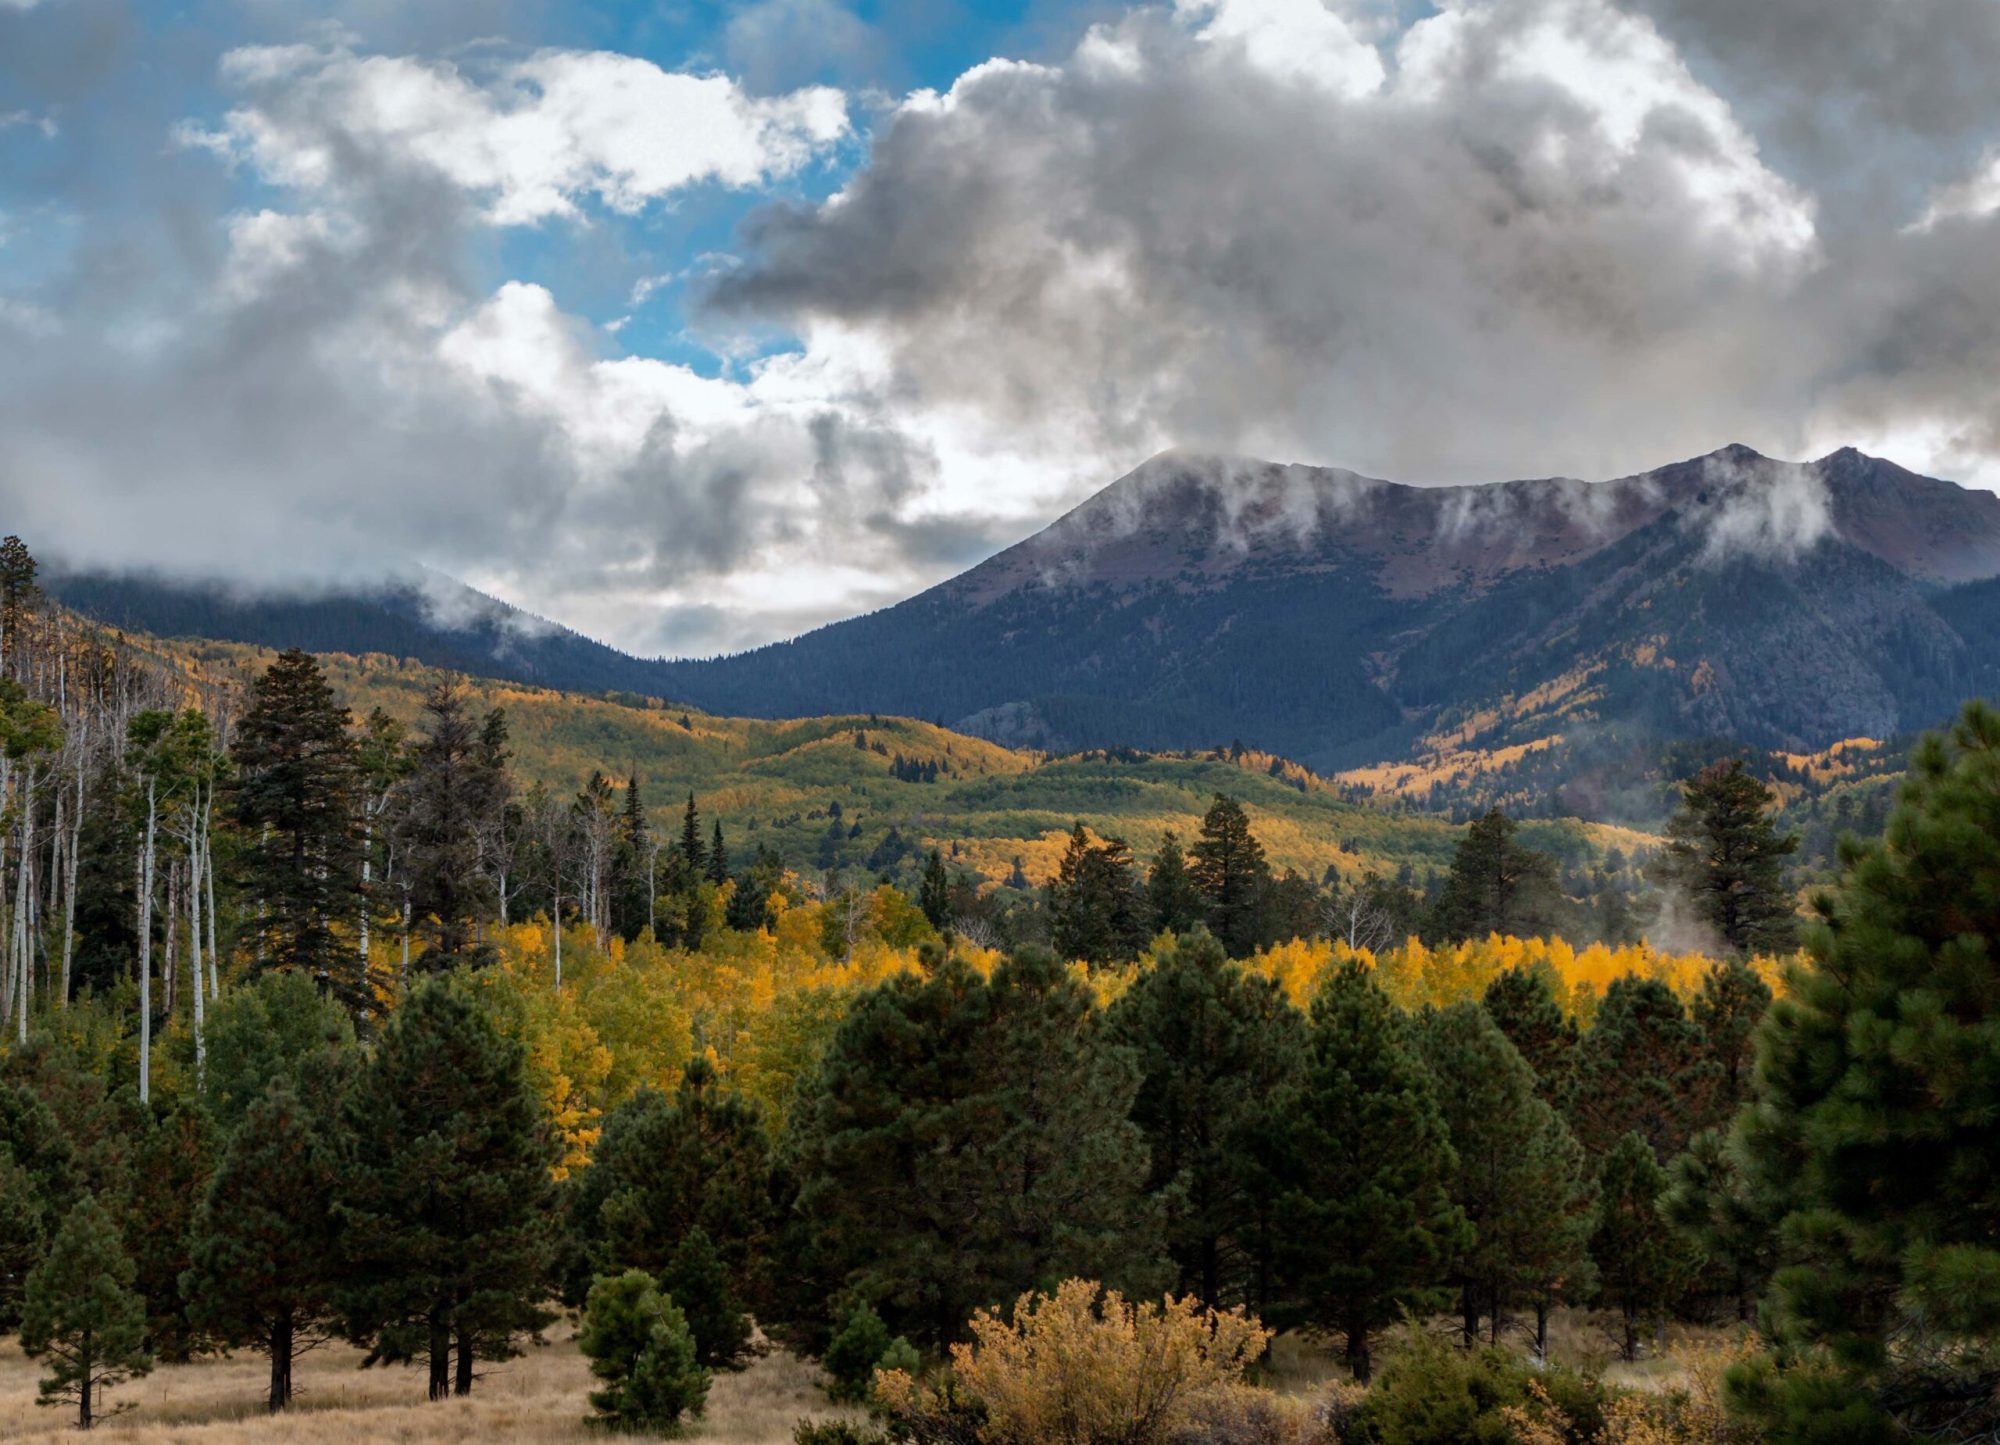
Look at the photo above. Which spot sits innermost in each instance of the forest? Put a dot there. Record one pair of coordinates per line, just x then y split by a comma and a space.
337, 1031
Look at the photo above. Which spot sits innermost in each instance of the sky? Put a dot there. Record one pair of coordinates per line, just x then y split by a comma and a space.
695, 325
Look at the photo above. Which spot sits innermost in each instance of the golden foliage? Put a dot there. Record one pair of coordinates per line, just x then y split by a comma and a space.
1085, 1367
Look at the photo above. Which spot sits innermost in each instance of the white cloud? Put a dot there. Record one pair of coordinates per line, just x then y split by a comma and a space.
1294, 40
1975, 197
530, 140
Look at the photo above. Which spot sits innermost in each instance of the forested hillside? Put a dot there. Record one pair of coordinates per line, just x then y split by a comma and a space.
279, 928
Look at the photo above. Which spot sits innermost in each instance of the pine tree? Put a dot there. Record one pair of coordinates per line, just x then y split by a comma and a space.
448, 1203
80, 1312
666, 1167
718, 856
274, 1028
19, 597
632, 882
1727, 1011
1725, 1222
934, 893
1096, 910
1641, 1069
638, 1343
39, 1182
692, 859
296, 796
1522, 1001
1171, 897
1229, 872
265, 1254
1032, 1169
172, 1158
1373, 1223
1497, 886
1724, 851
1871, 1132
1520, 1177
456, 786
698, 1281
1215, 1046
1641, 1263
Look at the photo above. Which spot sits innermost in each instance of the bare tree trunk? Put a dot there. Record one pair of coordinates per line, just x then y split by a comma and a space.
146, 947
69, 891
23, 902
208, 869
169, 974
194, 939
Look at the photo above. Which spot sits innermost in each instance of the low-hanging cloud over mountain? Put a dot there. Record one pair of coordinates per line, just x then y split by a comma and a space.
340, 298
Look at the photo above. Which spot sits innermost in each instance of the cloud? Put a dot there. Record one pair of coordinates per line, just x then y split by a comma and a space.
539, 135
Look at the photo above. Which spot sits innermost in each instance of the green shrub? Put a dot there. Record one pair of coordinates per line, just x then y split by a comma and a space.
860, 1347
639, 1344
1431, 1393
836, 1432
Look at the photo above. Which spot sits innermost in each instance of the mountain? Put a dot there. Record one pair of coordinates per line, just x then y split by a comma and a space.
433, 620
1341, 619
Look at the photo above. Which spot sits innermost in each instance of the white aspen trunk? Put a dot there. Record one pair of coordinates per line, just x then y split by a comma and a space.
22, 905
558, 929
208, 869
146, 949
69, 895
367, 874
194, 937
170, 978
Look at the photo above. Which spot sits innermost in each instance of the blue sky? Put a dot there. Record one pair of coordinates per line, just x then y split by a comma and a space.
694, 325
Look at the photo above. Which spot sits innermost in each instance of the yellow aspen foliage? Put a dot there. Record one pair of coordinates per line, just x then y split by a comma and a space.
1083, 1366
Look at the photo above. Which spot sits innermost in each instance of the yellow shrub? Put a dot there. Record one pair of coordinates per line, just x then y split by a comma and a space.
1084, 1367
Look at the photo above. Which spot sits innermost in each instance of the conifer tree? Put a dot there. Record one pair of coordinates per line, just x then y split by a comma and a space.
1171, 897
1522, 1001
1228, 870
19, 597
1727, 1011
274, 1028
39, 1181
172, 1157
1497, 885
1728, 1224
1215, 1046
1641, 1263
934, 893
1373, 1221
718, 855
1520, 1177
666, 1167
693, 859
296, 796
1725, 853
633, 885
1641, 1069
698, 1281
265, 1253
1032, 1170
448, 1201
1096, 910
456, 785
80, 1312
1871, 1131
638, 1343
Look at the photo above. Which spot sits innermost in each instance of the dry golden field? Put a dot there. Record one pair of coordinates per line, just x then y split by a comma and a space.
537, 1398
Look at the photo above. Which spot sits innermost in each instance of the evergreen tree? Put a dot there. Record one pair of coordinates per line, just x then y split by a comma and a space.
1725, 853
274, 1028
1215, 1046
456, 786
80, 1312
667, 1167
39, 1181
1522, 1001
698, 1281
1871, 1132
632, 883
265, 1256
1641, 1263
1030, 1170
718, 856
638, 1343
1096, 911
1373, 1221
692, 860
1171, 897
448, 1199
172, 1157
297, 796
1727, 1011
1229, 872
1497, 886
750, 903
1520, 1177
19, 598
107, 897
1641, 1069
1724, 1221
934, 893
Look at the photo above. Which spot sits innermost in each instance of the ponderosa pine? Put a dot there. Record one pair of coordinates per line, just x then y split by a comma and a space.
1724, 852
80, 1313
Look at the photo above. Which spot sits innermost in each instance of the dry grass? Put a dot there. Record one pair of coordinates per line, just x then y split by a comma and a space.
539, 1398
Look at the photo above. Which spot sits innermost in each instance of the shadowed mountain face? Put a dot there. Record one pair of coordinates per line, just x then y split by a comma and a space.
1337, 618
1331, 617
